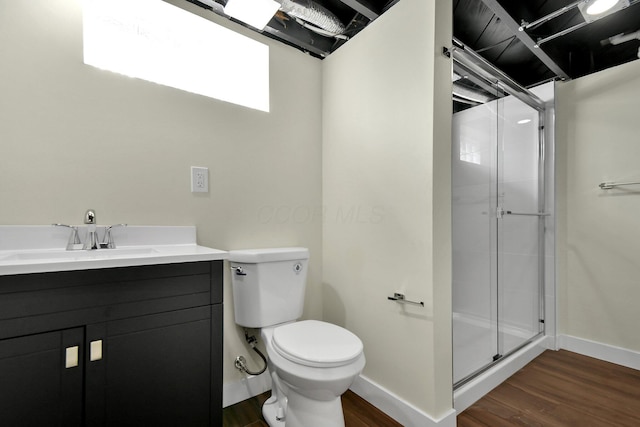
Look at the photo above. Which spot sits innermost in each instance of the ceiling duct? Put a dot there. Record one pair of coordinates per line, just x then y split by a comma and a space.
318, 18
622, 38
464, 94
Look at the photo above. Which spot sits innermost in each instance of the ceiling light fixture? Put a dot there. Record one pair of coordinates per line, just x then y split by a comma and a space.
256, 13
595, 9
598, 7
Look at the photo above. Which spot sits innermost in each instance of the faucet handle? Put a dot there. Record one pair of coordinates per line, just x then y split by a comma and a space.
90, 216
107, 241
74, 238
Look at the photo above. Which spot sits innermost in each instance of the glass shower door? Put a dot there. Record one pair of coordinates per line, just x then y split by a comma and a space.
519, 221
497, 220
474, 231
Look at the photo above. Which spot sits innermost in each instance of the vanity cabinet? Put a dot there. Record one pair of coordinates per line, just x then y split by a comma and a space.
128, 346
35, 388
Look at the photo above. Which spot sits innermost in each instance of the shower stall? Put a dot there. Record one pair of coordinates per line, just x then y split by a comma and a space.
499, 217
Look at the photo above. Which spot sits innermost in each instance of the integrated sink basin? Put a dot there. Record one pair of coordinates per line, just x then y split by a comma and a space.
38, 249
76, 254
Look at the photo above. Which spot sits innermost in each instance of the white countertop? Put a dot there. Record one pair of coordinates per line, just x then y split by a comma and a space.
39, 249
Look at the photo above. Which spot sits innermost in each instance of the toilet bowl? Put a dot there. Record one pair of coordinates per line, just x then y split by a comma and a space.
311, 363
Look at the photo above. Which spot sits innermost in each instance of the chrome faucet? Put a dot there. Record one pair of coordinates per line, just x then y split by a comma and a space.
107, 241
74, 240
91, 241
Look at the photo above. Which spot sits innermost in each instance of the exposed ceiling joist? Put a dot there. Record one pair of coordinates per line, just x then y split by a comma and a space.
362, 7
507, 20
389, 5
293, 34
491, 27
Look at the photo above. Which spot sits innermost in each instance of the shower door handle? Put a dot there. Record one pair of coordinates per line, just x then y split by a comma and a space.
527, 214
501, 212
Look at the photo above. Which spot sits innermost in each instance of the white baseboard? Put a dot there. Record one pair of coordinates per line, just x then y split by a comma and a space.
237, 391
606, 352
398, 409
378, 396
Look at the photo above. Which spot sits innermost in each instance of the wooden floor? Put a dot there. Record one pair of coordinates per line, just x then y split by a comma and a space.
357, 413
559, 388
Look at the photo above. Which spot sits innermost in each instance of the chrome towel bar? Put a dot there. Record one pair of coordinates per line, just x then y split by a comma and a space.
397, 297
610, 185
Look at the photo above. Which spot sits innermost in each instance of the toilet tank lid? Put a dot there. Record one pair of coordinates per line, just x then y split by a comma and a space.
251, 256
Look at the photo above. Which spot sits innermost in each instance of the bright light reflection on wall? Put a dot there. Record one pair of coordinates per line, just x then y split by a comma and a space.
470, 153
161, 43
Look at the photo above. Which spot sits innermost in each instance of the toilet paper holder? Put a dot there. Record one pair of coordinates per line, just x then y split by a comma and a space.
400, 298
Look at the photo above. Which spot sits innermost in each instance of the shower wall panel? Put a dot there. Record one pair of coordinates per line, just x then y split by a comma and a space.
474, 135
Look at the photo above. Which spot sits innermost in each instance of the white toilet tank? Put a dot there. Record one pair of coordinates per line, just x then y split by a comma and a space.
268, 285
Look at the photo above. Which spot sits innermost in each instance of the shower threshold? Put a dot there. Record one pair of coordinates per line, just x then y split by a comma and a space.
473, 387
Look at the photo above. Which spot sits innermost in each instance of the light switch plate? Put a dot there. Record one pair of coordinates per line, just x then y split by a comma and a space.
199, 179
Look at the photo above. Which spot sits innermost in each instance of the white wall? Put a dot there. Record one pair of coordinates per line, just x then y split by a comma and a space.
386, 160
74, 137
599, 233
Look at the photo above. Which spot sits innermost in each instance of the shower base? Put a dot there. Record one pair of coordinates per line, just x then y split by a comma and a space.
474, 344
471, 345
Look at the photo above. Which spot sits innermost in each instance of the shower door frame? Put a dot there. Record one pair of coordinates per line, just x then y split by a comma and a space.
474, 63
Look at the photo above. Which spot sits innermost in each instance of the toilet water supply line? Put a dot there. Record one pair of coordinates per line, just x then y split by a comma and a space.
241, 362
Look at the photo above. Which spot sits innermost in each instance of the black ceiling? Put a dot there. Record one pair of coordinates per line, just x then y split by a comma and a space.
491, 28
354, 15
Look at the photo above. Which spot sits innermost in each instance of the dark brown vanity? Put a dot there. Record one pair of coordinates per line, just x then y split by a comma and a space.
123, 346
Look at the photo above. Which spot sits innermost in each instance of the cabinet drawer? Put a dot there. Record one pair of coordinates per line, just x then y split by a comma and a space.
33, 303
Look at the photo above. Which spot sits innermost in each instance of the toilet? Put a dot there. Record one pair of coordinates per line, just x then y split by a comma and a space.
311, 363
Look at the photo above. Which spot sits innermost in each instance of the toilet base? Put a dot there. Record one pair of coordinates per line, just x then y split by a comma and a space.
270, 412
304, 412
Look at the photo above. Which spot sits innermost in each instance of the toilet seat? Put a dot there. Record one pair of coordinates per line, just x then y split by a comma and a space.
316, 344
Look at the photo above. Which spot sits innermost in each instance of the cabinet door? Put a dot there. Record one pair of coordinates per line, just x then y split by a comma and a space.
41, 382
152, 371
